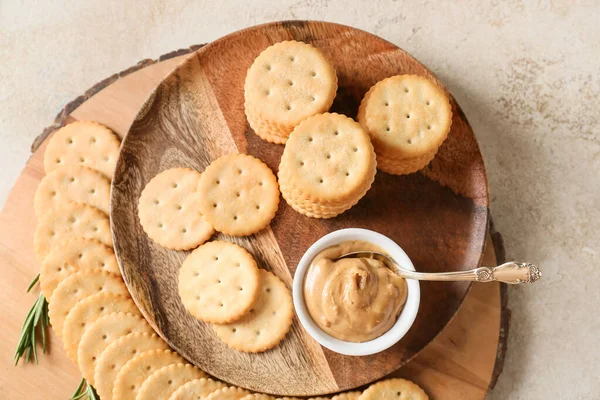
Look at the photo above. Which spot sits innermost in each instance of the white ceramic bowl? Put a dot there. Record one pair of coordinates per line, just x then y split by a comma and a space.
405, 319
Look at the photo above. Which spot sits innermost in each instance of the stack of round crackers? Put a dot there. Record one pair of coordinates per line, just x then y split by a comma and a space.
327, 166
408, 118
287, 83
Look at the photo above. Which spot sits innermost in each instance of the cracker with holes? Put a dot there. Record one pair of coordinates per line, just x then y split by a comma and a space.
163, 382
408, 118
74, 255
117, 354
394, 389
239, 194
258, 396
78, 286
101, 334
219, 282
169, 213
138, 369
87, 311
327, 166
85, 143
69, 221
405, 166
266, 324
72, 183
228, 393
347, 396
287, 83
197, 389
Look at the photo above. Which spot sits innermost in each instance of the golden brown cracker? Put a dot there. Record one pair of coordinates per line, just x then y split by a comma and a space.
197, 389
406, 115
169, 213
74, 255
87, 311
69, 221
163, 382
219, 282
394, 389
101, 334
117, 354
239, 194
267, 322
72, 183
138, 369
288, 82
78, 286
85, 143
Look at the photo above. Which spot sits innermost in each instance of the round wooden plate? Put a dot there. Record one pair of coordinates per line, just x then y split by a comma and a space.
439, 216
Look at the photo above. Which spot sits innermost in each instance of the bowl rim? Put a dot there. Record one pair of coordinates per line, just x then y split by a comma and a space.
405, 319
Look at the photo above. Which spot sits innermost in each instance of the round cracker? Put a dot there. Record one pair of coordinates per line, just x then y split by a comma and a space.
72, 183
169, 213
347, 396
266, 324
163, 382
328, 158
258, 396
289, 82
68, 221
406, 115
404, 166
218, 282
197, 389
78, 286
394, 389
138, 369
266, 131
74, 255
228, 393
84, 143
239, 194
101, 334
87, 311
117, 354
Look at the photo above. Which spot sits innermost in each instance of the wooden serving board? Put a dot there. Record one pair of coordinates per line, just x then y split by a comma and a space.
463, 361
440, 217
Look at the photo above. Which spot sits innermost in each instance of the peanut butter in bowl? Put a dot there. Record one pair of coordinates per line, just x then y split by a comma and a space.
353, 299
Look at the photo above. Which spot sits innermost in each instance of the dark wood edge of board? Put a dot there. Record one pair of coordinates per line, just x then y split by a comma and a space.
505, 313
497, 241
62, 116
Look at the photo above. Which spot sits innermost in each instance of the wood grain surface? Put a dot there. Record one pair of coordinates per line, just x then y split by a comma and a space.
438, 216
462, 362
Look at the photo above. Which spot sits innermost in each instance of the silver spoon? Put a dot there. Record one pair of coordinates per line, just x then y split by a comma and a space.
510, 272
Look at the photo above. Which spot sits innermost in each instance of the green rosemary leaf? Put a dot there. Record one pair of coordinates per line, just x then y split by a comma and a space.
85, 391
36, 319
33, 282
80, 392
91, 392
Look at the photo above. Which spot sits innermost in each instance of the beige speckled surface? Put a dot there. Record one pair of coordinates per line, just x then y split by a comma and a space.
525, 72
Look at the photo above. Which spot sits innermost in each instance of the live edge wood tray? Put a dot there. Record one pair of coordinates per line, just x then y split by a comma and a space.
439, 216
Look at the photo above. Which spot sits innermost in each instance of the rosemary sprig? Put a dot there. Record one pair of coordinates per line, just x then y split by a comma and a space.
37, 317
84, 391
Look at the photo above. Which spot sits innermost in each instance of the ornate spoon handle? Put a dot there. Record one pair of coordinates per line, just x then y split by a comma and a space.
510, 272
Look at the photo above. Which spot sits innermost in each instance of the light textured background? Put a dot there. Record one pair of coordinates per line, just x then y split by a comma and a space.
525, 72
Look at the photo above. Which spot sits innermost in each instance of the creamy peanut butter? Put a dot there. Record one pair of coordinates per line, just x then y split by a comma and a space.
353, 299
